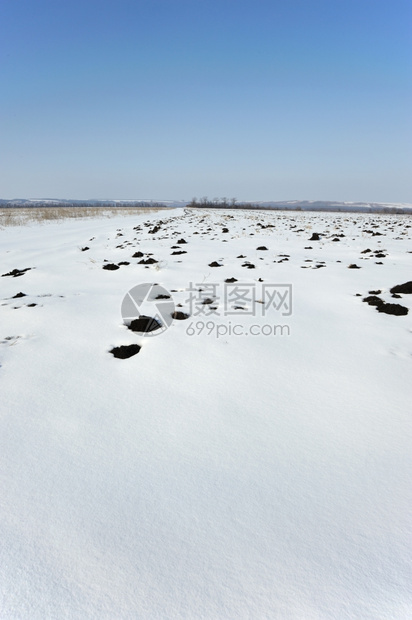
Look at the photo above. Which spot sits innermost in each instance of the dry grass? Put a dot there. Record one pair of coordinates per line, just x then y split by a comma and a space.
38, 215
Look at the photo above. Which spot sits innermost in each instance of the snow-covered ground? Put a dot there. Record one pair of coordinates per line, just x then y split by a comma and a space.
214, 475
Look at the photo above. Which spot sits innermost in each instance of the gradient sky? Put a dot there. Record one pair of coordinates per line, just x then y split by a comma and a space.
258, 100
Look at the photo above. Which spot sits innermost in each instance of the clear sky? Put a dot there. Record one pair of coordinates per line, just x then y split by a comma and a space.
253, 99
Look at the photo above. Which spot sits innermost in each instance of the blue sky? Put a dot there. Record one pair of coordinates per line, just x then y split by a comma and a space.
258, 100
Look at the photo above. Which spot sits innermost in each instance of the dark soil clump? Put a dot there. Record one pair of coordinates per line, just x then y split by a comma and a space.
372, 300
125, 351
179, 316
16, 272
395, 309
145, 324
148, 261
402, 288
111, 267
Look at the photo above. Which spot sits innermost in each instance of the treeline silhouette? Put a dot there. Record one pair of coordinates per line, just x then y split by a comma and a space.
232, 203
220, 203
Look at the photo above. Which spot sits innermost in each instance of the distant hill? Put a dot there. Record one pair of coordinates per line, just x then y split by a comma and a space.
307, 205
289, 205
323, 205
58, 202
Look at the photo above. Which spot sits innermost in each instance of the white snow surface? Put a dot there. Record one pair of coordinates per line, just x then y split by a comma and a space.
240, 477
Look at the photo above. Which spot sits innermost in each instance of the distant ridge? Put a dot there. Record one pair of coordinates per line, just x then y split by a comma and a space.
307, 205
89, 202
323, 205
289, 205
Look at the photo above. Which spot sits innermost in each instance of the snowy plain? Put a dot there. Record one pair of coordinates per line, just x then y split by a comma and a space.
218, 478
